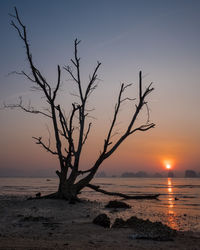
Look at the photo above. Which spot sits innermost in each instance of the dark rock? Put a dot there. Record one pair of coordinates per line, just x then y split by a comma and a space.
102, 220
72, 201
38, 195
145, 229
117, 204
119, 223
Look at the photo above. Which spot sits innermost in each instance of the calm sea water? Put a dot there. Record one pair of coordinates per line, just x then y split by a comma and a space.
178, 205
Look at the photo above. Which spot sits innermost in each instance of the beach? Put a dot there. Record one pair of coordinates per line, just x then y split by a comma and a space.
56, 224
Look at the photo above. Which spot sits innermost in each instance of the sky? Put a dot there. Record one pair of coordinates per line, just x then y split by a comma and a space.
161, 38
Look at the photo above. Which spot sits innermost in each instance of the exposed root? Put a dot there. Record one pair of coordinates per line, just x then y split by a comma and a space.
73, 200
57, 196
48, 196
125, 196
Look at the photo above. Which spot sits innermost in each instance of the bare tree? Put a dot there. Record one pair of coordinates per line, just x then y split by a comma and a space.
68, 147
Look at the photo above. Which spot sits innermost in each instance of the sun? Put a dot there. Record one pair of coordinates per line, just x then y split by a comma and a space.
168, 166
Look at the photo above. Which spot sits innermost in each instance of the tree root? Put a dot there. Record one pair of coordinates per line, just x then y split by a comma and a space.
97, 189
48, 196
125, 196
55, 196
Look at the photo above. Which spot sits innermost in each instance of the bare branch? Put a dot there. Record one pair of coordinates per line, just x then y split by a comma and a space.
18, 30
77, 60
128, 99
140, 85
88, 131
148, 113
38, 78
67, 131
28, 109
22, 73
143, 128
29, 78
90, 86
117, 107
39, 141
58, 83
82, 172
105, 154
69, 70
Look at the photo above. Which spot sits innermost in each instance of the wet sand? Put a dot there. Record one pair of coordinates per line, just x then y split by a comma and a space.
52, 224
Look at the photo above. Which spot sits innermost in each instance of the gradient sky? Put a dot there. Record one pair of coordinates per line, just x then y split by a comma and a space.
161, 38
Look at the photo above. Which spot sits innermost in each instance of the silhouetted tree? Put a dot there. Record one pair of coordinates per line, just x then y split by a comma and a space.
68, 147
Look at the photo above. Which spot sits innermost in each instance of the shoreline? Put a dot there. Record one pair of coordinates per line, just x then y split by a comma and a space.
56, 224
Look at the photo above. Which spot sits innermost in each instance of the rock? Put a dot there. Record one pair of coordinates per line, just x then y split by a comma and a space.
102, 220
119, 223
38, 195
72, 201
117, 204
145, 229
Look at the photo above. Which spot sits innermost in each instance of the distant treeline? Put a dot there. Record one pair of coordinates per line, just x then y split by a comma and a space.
143, 174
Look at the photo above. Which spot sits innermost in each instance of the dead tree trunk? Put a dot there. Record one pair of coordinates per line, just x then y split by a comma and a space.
125, 196
68, 146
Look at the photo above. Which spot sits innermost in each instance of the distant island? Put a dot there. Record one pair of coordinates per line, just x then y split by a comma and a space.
137, 174
191, 174
101, 174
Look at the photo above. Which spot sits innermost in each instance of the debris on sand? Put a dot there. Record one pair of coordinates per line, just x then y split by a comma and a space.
117, 204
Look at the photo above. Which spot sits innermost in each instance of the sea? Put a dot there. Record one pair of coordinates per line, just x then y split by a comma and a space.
178, 205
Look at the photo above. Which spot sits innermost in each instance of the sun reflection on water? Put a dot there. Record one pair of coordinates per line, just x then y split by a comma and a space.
171, 214
170, 193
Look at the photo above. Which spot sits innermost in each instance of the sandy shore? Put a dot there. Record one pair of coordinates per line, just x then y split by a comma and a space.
52, 224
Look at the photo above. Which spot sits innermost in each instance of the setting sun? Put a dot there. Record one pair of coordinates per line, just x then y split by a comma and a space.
168, 166
168, 163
